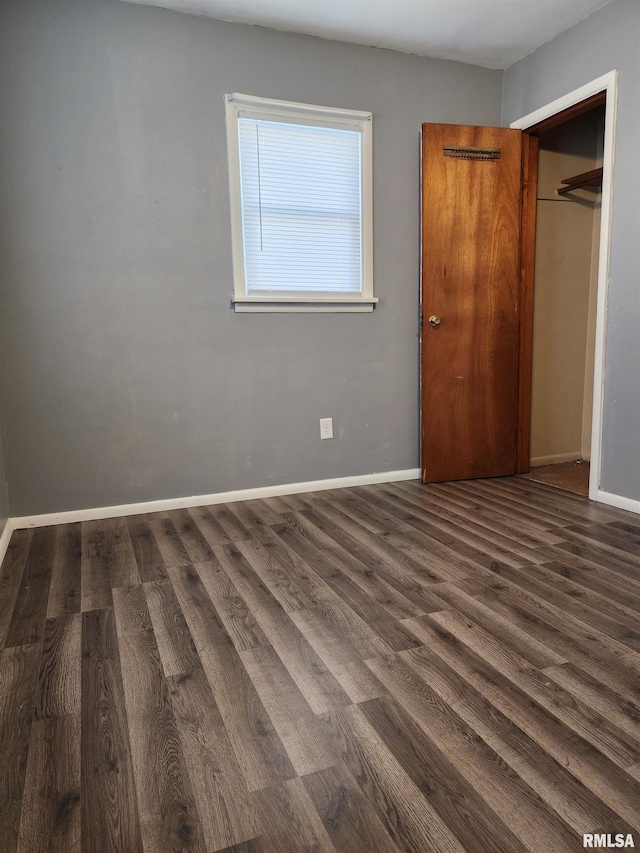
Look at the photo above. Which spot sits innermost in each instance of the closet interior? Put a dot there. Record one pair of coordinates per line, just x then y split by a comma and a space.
565, 290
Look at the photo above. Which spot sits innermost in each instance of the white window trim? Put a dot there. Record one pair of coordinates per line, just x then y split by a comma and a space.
238, 105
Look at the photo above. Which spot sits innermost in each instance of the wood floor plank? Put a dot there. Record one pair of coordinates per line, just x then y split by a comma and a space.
50, 818
499, 626
538, 496
377, 581
258, 749
288, 710
230, 523
624, 590
422, 564
350, 820
471, 494
366, 589
30, 608
591, 767
580, 717
339, 655
224, 805
169, 543
94, 567
233, 610
16, 557
464, 506
59, 680
551, 781
8, 597
477, 826
447, 523
612, 619
372, 584
174, 640
147, 554
252, 589
290, 822
505, 789
588, 690
169, 818
198, 609
577, 643
312, 677
614, 542
634, 771
283, 573
255, 845
109, 811
192, 539
210, 529
546, 514
65, 589
18, 680
121, 558
411, 821
587, 552
254, 514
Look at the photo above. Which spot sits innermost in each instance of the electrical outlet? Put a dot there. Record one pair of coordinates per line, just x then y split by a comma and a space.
326, 428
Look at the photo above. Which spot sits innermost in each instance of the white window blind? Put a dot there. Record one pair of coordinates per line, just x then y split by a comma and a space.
301, 206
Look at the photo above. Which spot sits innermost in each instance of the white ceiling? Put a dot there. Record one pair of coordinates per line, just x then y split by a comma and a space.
491, 33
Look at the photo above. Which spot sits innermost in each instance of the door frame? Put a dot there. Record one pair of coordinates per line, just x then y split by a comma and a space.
607, 84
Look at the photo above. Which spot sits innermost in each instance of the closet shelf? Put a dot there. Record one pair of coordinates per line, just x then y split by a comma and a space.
586, 179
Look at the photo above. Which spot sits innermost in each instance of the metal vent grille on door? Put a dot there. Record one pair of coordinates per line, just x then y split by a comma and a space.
464, 153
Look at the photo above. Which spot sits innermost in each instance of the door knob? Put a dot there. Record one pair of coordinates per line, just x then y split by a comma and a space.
434, 321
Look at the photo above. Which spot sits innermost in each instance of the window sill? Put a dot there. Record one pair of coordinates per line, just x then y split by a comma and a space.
257, 305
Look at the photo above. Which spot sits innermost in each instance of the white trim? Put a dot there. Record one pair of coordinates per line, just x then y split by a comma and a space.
206, 500
303, 304
555, 458
607, 83
618, 501
237, 105
6, 537
600, 84
260, 306
292, 108
347, 300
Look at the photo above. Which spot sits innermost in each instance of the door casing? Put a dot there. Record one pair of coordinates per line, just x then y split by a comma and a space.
575, 102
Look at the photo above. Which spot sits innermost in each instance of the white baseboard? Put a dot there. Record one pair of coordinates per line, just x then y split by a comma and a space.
618, 501
6, 538
205, 500
552, 460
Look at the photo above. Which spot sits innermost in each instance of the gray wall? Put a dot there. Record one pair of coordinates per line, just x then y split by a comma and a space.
608, 39
4, 497
127, 377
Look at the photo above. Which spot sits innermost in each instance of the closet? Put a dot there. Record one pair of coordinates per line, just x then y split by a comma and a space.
565, 288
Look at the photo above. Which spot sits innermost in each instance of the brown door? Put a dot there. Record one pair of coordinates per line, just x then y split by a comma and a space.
471, 223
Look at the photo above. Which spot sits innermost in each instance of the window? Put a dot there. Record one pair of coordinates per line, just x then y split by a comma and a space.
301, 206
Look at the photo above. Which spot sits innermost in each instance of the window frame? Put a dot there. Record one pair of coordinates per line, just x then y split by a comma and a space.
248, 106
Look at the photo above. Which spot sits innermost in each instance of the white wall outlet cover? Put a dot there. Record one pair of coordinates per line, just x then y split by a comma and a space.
326, 428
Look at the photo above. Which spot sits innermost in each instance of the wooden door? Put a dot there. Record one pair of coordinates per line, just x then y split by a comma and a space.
471, 225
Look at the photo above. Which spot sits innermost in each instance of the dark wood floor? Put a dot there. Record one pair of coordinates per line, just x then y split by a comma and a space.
388, 668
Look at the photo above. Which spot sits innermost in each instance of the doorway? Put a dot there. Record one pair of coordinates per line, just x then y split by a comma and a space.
565, 286
569, 278
479, 206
